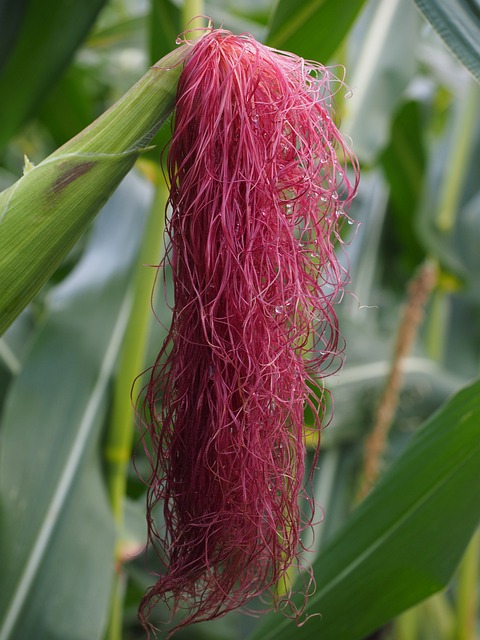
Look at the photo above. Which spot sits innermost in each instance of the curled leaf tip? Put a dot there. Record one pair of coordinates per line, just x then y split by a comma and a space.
261, 181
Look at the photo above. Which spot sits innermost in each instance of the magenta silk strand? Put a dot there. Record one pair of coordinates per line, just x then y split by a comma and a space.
259, 190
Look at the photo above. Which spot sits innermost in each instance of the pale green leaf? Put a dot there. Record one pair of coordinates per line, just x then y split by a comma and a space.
57, 530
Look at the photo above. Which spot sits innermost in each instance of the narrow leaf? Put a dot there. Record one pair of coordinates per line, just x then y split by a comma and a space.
383, 63
404, 542
458, 23
58, 539
11, 15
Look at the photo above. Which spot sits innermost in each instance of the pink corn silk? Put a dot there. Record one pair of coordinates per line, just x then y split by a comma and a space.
259, 188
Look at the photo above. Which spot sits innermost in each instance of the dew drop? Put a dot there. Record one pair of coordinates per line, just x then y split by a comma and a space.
279, 309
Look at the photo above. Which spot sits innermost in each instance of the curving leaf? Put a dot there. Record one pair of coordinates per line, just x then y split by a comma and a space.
313, 29
57, 529
458, 23
404, 542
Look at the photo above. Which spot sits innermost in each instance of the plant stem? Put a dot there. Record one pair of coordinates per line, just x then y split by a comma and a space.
450, 198
419, 291
406, 625
115, 621
467, 591
120, 434
192, 11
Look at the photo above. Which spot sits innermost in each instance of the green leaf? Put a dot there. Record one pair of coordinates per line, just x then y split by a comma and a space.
57, 530
403, 162
49, 33
165, 25
11, 15
404, 542
458, 23
313, 29
45, 212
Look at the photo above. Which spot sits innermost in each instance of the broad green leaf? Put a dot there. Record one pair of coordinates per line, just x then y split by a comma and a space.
404, 542
45, 212
313, 29
70, 107
11, 15
165, 25
50, 31
403, 162
458, 24
57, 529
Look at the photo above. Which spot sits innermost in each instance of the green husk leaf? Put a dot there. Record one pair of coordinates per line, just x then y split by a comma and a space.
46, 211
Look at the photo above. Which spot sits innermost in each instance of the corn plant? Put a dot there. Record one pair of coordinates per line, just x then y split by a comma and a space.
185, 255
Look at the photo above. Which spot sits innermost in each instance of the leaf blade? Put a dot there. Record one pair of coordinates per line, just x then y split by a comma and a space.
49, 443
395, 550
313, 29
458, 24
53, 45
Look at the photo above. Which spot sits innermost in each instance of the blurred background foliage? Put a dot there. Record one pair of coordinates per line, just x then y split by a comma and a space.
72, 508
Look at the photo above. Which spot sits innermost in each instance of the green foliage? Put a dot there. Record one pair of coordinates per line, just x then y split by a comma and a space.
32, 58
397, 548
458, 24
312, 29
54, 202
69, 356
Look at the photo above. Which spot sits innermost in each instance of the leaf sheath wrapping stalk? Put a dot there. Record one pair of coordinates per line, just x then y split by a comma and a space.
46, 211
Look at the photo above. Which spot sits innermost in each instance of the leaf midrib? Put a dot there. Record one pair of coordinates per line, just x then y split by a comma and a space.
372, 547
67, 476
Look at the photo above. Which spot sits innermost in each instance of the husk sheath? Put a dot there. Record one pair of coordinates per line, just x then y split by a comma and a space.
259, 190
45, 212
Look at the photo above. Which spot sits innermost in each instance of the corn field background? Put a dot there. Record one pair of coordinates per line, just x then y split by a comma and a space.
399, 561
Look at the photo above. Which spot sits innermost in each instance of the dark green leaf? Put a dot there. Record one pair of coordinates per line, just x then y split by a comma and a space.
458, 24
11, 15
50, 32
313, 29
400, 546
403, 162
165, 26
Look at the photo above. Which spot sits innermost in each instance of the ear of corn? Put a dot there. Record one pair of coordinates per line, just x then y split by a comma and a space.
45, 212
